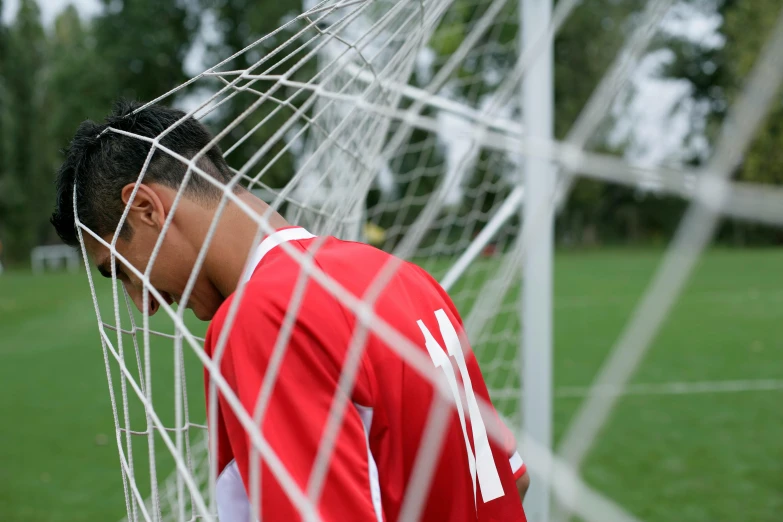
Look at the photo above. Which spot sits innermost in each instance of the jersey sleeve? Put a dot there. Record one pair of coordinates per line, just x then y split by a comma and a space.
518, 467
295, 415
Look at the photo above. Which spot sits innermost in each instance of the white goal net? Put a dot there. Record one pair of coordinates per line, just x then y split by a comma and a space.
398, 123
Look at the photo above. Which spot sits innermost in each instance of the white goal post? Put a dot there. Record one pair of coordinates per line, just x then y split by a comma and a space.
384, 116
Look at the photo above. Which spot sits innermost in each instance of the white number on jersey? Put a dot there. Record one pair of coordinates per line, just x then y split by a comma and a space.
482, 462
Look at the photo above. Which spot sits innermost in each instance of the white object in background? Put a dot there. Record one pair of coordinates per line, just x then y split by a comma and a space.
54, 256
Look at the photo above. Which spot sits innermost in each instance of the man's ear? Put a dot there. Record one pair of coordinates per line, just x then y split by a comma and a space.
146, 208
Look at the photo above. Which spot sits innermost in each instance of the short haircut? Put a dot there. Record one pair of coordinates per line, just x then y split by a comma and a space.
99, 163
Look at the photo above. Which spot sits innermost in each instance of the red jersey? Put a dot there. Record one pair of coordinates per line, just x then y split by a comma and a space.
376, 447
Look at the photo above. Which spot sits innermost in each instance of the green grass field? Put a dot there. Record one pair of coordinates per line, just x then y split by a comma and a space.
685, 457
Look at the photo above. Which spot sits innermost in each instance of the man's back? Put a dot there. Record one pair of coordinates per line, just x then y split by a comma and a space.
371, 470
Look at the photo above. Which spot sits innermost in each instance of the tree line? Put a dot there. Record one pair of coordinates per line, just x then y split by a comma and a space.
52, 78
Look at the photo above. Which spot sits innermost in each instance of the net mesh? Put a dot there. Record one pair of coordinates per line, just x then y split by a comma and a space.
400, 124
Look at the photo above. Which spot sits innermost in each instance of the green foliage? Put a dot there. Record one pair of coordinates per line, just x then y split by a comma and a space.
763, 160
717, 75
584, 48
74, 68
240, 24
24, 184
3, 105
53, 79
447, 38
144, 45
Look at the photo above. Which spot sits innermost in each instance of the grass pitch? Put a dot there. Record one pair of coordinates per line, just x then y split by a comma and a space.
707, 448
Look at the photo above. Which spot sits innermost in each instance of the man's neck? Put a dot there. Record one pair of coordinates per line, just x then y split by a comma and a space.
235, 239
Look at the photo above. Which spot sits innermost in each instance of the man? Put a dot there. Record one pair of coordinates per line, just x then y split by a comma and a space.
376, 446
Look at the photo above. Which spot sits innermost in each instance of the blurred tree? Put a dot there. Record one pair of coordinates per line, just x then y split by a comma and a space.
78, 87
239, 24
136, 48
765, 156
73, 72
143, 43
747, 29
716, 75
3, 107
26, 182
74, 67
584, 48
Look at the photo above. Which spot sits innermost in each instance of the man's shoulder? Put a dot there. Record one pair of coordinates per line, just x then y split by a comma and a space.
354, 257
267, 296
256, 296
268, 293
250, 305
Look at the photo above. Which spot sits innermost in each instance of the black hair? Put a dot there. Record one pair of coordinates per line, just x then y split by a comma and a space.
99, 163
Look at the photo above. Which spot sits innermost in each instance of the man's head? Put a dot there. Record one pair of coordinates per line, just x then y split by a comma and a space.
103, 167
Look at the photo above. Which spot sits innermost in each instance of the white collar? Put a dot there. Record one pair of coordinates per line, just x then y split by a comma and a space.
270, 242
